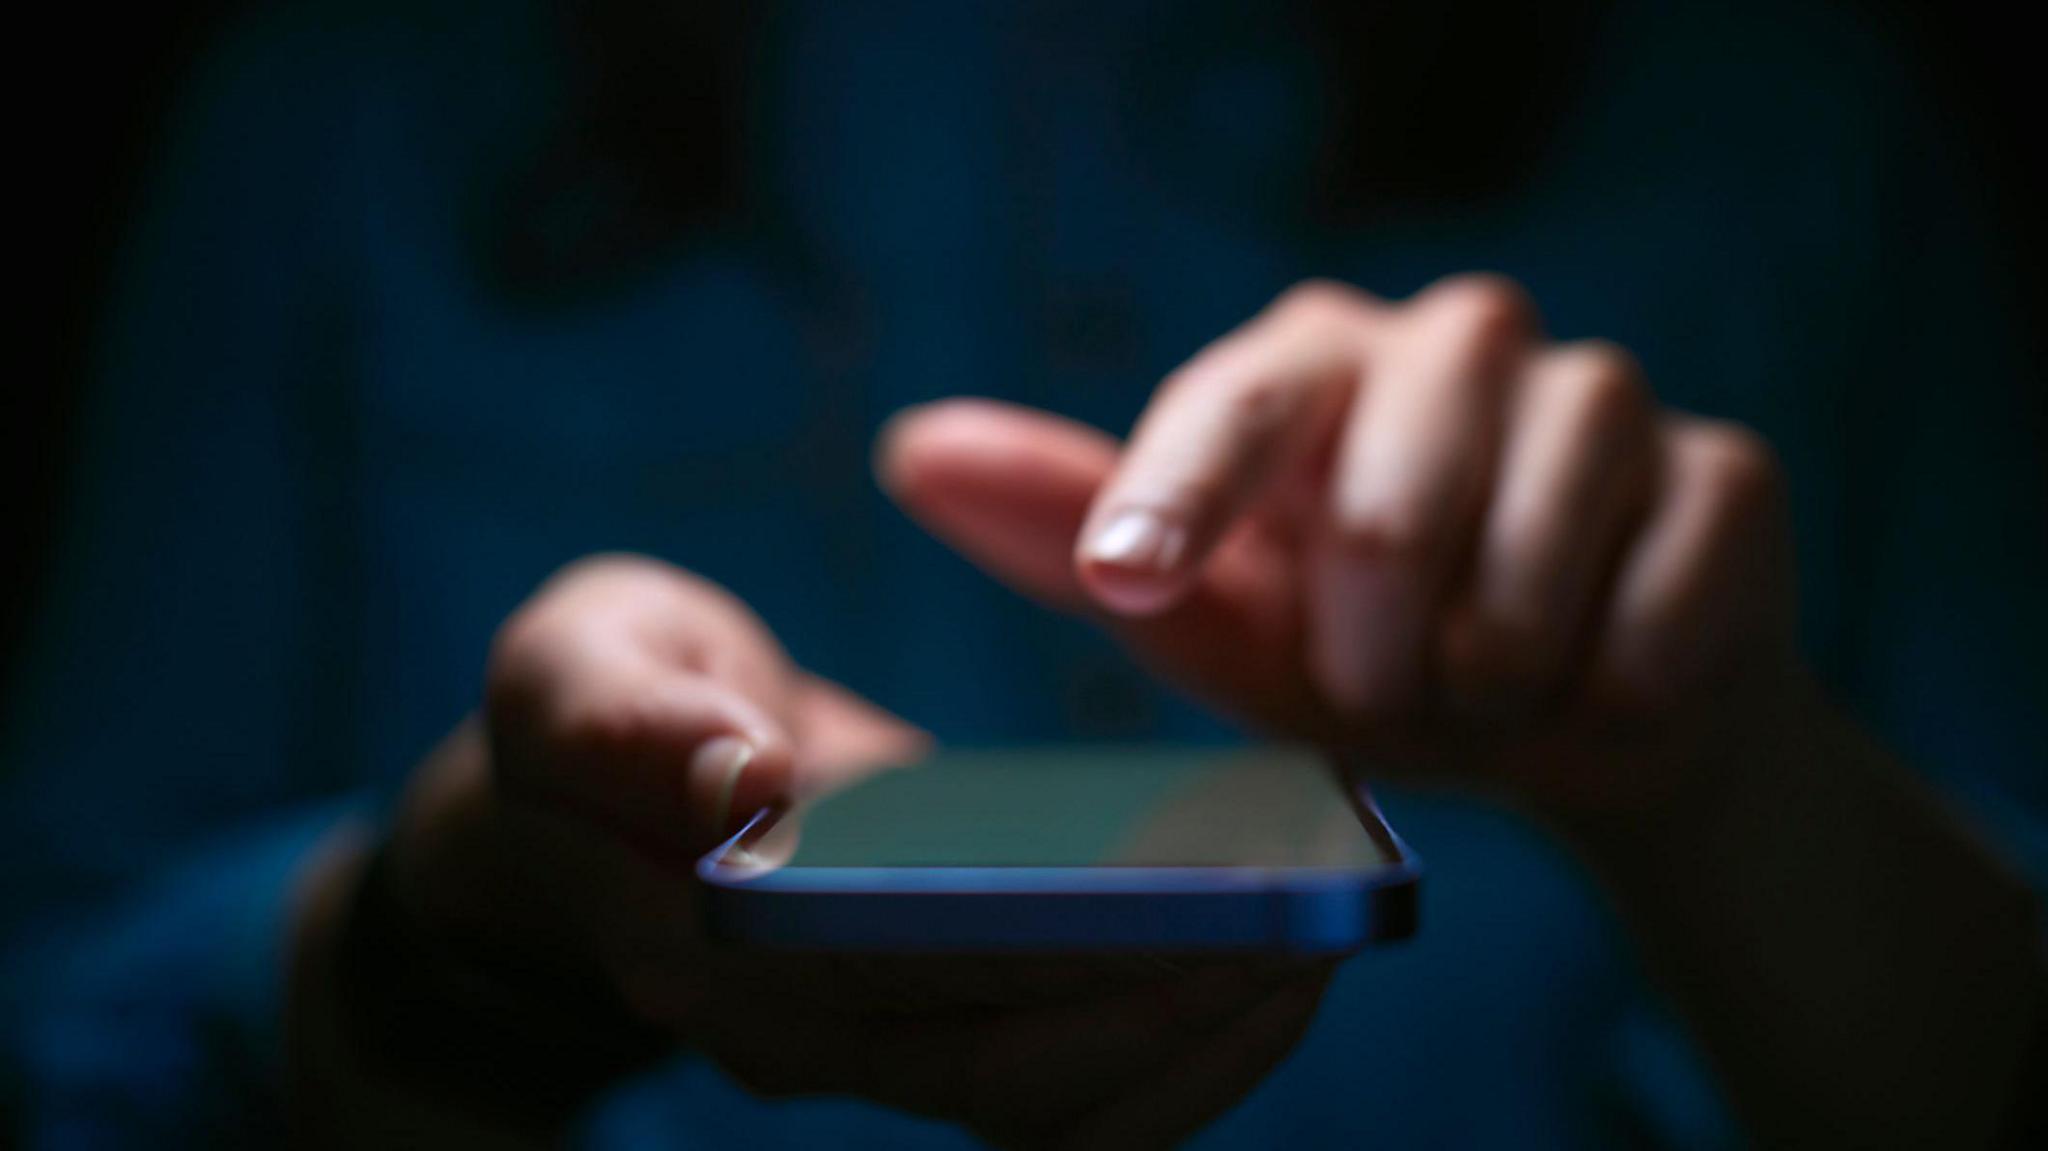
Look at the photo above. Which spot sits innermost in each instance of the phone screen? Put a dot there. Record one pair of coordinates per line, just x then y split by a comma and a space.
1088, 808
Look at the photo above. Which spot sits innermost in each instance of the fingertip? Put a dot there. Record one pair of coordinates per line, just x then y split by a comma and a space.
1127, 591
731, 777
1134, 563
890, 458
922, 448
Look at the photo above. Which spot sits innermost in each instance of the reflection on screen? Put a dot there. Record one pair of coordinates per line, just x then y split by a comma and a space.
1259, 807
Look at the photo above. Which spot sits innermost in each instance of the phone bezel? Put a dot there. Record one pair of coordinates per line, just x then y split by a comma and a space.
1301, 910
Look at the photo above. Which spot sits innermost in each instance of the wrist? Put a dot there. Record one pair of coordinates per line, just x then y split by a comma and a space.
1696, 791
482, 1031
1825, 925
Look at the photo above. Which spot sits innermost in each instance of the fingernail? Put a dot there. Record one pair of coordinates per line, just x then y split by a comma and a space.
1132, 558
1368, 641
723, 759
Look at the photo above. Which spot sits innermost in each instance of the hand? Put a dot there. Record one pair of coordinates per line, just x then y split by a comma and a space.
635, 715
1415, 527
1421, 532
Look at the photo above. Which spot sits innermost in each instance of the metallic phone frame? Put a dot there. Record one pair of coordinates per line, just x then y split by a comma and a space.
1306, 910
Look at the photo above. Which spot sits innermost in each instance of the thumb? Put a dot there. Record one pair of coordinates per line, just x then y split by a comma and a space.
642, 698
1009, 488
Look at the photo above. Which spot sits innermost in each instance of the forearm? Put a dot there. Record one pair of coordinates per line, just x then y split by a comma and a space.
340, 1095
396, 1040
1858, 967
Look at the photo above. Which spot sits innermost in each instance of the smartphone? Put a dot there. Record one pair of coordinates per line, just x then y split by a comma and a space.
1262, 849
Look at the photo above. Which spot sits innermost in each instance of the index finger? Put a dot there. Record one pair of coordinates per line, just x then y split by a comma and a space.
1216, 436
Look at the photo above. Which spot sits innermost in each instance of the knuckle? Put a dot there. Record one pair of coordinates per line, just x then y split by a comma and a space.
1389, 538
1262, 408
602, 570
1522, 553
1179, 382
1320, 301
1483, 307
547, 620
1500, 651
1739, 470
1609, 382
597, 565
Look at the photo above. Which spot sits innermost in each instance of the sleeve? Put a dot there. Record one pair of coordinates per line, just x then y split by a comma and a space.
156, 1023
186, 679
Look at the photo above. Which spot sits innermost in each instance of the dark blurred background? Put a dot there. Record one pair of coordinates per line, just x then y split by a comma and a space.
87, 132
651, 125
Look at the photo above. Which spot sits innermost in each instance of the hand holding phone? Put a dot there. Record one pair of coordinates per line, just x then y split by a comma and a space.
540, 886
